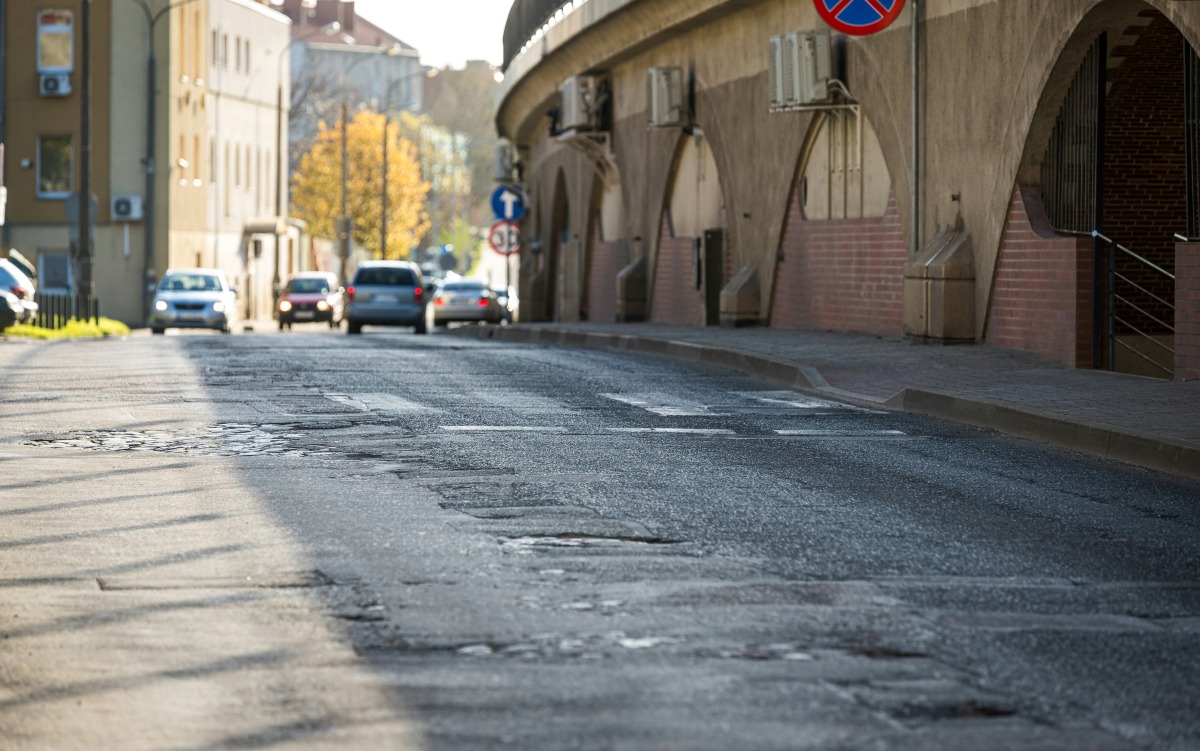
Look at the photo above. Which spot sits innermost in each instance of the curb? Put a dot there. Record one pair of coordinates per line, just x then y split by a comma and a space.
1143, 451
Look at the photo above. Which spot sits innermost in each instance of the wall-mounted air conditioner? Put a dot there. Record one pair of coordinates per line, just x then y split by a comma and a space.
127, 208
582, 101
666, 102
54, 84
799, 68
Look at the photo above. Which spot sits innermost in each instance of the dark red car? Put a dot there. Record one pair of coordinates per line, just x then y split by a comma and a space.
310, 297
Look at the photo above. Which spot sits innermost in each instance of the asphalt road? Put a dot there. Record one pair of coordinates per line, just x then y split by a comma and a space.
512, 546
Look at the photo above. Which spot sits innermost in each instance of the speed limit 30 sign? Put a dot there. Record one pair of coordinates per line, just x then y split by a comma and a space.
505, 238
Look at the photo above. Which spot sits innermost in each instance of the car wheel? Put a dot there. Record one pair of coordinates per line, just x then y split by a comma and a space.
421, 328
157, 331
353, 327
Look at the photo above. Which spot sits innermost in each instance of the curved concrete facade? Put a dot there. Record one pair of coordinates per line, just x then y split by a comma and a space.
994, 78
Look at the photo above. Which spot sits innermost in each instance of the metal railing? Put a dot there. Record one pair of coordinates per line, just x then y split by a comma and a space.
525, 18
56, 309
1131, 307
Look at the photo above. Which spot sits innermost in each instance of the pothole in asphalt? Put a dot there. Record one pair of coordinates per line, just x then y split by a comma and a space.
531, 544
225, 439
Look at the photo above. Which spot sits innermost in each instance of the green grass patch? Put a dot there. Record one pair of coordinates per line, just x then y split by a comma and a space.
74, 329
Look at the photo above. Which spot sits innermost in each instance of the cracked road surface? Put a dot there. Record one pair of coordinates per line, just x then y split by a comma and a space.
390, 541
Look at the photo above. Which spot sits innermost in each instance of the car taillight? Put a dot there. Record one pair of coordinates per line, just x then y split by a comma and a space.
483, 302
418, 294
350, 293
438, 301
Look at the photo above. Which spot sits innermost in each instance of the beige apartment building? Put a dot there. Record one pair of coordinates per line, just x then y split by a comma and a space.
205, 196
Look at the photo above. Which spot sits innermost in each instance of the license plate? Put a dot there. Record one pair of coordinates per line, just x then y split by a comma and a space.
386, 299
190, 318
304, 315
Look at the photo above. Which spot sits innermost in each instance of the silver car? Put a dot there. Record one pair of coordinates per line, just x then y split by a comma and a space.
466, 300
193, 299
386, 293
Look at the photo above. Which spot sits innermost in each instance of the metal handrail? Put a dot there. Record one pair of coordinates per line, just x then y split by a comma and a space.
525, 19
1114, 298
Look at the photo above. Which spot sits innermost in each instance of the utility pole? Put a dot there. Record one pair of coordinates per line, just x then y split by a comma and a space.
87, 281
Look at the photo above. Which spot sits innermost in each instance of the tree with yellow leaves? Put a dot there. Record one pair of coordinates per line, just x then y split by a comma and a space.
317, 186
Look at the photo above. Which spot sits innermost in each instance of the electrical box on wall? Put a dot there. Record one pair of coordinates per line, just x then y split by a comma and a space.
666, 103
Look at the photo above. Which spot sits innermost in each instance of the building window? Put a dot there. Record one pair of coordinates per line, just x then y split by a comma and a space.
248, 56
54, 166
197, 168
238, 52
216, 48
54, 271
225, 50
56, 41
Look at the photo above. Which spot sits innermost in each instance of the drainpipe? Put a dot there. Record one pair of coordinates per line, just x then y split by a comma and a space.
915, 243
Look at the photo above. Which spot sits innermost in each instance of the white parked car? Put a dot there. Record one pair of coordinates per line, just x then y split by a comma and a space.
193, 299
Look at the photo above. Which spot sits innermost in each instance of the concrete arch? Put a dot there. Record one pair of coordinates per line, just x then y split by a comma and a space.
1142, 122
693, 207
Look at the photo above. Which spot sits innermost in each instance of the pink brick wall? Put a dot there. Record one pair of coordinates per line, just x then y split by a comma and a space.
841, 275
675, 299
1187, 312
1042, 293
605, 262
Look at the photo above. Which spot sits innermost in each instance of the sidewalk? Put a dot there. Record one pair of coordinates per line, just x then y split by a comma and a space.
1145, 421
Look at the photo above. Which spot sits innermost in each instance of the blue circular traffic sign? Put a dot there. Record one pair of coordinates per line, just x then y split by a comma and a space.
508, 203
859, 17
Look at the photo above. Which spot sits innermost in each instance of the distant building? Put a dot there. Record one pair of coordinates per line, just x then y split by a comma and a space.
205, 196
359, 65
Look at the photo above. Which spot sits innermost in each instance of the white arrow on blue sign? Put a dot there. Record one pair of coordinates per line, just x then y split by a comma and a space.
508, 203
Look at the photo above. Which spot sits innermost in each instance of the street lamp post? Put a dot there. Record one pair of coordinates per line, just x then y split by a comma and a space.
152, 19
328, 29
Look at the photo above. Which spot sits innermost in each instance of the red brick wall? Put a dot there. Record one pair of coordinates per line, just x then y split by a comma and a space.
1042, 293
1187, 314
840, 275
675, 299
1145, 183
604, 263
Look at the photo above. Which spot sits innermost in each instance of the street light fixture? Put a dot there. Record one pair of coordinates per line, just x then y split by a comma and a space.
344, 223
328, 29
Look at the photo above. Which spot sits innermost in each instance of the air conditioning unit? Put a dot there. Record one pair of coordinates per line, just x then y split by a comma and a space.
127, 208
58, 84
799, 68
582, 98
666, 103
775, 72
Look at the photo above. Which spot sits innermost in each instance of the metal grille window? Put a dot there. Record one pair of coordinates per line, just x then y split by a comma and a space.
1191, 79
1072, 171
54, 166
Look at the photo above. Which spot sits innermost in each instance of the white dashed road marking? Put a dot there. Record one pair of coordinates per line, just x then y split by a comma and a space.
663, 404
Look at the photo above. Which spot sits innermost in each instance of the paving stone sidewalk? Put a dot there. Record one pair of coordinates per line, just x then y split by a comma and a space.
1146, 421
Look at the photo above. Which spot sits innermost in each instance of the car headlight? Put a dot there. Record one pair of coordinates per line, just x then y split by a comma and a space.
218, 307
284, 306
322, 306
160, 305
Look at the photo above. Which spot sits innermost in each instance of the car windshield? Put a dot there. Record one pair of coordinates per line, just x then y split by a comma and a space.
191, 283
385, 276
465, 287
309, 286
